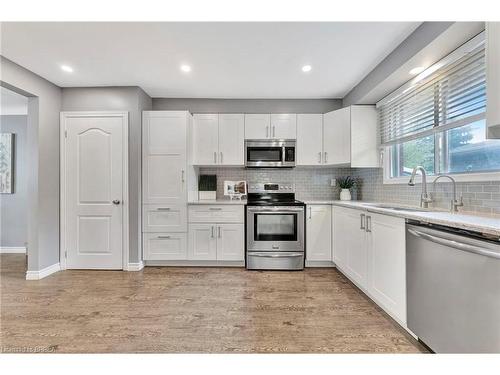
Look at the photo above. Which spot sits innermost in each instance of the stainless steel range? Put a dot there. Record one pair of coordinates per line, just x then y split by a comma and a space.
275, 224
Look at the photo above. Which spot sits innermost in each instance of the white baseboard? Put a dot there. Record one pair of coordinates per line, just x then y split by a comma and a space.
135, 266
37, 275
194, 263
12, 250
320, 263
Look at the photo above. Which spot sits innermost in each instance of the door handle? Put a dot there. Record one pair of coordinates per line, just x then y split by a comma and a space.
163, 237
163, 209
368, 224
220, 161
319, 157
267, 255
326, 157
182, 176
310, 212
212, 231
215, 157
215, 208
362, 225
220, 235
116, 201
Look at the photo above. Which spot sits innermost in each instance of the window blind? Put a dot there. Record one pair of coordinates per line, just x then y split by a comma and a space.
452, 96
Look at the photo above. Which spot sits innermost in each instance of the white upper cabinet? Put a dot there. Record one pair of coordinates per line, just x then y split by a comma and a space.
205, 139
365, 150
493, 79
337, 137
231, 139
257, 125
283, 126
218, 139
164, 149
310, 139
319, 233
350, 137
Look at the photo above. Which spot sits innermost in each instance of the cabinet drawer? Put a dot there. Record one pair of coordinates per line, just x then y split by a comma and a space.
216, 214
165, 246
164, 218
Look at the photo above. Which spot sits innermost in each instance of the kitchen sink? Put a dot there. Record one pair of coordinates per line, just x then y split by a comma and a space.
396, 208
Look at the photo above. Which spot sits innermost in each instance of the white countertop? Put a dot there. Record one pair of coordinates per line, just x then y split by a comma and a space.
483, 224
220, 201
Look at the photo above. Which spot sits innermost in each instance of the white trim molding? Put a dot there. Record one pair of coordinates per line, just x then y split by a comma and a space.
37, 275
12, 250
135, 266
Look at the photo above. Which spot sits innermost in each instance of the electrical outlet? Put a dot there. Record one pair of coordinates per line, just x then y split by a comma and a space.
333, 182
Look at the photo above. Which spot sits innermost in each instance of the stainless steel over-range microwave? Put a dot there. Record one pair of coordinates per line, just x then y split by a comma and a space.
270, 153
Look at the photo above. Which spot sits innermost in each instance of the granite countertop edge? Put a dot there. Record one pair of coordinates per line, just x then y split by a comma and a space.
483, 224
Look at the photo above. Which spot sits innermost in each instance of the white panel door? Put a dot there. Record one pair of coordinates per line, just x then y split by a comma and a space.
309, 139
164, 157
230, 242
387, 264
164, 246
231, 139
94, 191
284, 126
365, 150
337, 137
202, 242
319, 233
164, 218
257, 125
205, 139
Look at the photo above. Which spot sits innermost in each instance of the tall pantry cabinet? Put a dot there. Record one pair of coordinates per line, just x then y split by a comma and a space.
164, 184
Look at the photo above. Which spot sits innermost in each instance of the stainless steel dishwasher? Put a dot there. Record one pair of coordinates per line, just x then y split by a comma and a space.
453, 288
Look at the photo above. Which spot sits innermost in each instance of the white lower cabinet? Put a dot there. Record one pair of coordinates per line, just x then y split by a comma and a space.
370, 249
224, 242
164, 246
319, 233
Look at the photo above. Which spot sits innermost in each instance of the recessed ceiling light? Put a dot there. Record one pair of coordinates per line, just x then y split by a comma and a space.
185, 68
306, 68
67, 68
417, 70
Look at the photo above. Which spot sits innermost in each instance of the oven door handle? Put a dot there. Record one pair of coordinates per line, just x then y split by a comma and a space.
275, 210
274, 255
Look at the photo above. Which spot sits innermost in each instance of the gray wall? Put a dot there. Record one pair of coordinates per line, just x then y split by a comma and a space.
248, 105
131, 99
14, 207
44, 106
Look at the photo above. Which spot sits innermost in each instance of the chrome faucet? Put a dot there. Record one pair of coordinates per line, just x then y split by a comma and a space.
454, 203
425, 199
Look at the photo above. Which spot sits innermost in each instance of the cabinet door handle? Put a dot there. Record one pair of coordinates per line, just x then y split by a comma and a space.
326, 157
220, 235
362, 225
310, 212
212, 231
368, 224
215, 208
215, 157
220, 161
319, 157
182, 176
163, 237
163, 209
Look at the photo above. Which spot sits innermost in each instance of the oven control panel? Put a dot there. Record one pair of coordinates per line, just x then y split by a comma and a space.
270, 187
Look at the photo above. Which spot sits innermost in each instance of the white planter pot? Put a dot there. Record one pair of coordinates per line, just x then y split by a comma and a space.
207, 195
345, 195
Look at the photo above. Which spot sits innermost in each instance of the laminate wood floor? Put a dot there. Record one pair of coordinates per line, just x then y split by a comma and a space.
209, 310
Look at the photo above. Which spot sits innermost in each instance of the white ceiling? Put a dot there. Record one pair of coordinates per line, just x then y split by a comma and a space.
229, 60
12, 103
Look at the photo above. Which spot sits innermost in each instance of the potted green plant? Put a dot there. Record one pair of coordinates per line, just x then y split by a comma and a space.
345, 185
207, 187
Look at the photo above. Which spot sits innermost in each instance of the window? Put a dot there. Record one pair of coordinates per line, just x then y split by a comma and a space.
438, 120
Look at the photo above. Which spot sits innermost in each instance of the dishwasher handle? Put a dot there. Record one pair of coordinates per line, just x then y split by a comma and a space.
457, 245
